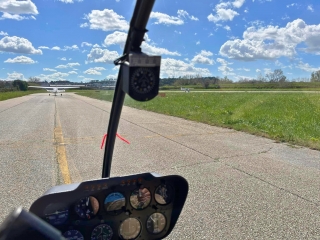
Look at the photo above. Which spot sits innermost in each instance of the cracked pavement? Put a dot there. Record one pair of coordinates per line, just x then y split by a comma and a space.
241, 186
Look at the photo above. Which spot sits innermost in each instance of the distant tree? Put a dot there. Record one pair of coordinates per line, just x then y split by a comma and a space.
20, 85
276, 76
34, 79
261, 78
315, 76
225, 80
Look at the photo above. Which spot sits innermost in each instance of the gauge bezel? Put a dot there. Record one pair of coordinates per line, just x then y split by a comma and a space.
150, 200
171, 192
115, 212
92, 216
165, 225
103, 224
139, 230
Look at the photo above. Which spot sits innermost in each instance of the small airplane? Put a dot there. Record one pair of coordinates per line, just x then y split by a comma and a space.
56, 89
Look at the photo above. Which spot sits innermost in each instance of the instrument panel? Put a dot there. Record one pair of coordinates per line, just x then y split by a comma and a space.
142, 206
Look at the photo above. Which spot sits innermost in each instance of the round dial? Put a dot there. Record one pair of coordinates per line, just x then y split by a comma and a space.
156, 223
164, 194
140, 198
143, 80
114, 202
102, 232
73, 235
130, 228
87, 207
56, 214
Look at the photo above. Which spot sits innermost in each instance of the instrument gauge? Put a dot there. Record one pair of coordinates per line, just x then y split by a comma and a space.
156, 223
114, 202
102, 232
56, 214
140, 198
87, 207
164, 194
73, 235
130, 228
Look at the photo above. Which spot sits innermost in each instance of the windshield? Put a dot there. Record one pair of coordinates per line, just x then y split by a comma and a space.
237, 113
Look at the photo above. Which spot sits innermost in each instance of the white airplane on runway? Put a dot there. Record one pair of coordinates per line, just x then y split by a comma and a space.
56, 89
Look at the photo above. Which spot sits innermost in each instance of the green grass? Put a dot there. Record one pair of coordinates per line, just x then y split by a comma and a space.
285, 117
14, 94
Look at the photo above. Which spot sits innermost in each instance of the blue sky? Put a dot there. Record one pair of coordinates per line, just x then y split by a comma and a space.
78, 40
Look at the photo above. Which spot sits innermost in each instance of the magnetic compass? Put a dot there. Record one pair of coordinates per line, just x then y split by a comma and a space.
143, 80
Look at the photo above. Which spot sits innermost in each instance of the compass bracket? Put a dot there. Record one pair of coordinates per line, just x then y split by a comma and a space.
141, 76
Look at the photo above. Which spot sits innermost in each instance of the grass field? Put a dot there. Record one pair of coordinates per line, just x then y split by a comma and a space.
8, 95
285, 117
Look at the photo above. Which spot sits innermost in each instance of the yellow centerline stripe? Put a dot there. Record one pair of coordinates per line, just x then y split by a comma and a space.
61, 152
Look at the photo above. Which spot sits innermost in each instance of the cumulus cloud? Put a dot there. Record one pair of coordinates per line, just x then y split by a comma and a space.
162, 18
72, 72
57, 76
49, 69
2, 33
173, 68
203, 58
18, 7
17, 45
56, 48
272, 42
20, 59
70, 1
224, 11
86, 44
224, 68
119, 38
68, 65
92, 72
102, 55
307, 67
15, 76
73, 47
44, 47
106, 20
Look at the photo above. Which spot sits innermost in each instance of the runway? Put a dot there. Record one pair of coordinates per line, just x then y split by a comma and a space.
241, 186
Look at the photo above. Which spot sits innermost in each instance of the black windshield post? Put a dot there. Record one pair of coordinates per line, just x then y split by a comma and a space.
135, 36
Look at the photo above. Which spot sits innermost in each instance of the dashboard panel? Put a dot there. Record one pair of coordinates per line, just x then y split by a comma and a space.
142, 206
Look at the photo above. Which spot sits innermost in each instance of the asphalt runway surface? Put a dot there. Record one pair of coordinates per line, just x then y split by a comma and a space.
240, 186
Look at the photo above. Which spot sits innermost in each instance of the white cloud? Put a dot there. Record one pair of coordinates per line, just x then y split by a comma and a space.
106, 20
175, 68
310, 8
56, 48
72, 72
15, 76
68, 65
96, 46
2, 33
119, 38
185, 14
92, 72
73, 47
86, 44
227, 28
238, 3
223, 15
49, 69
102, 55
20, 59
198, 43
18, 7
44, 47
165, 19
224, 67
70, 1
63, 59
57, 76
272, 42
202, 58
306, 67
17, 45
